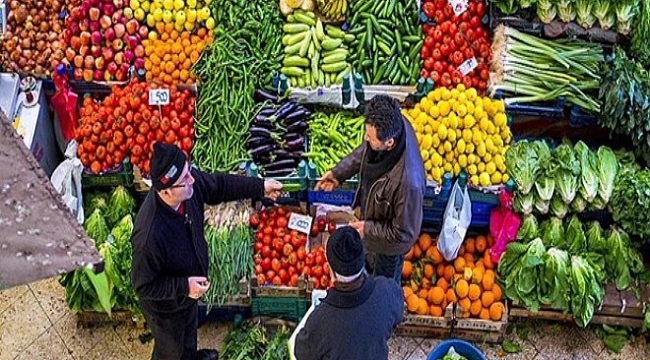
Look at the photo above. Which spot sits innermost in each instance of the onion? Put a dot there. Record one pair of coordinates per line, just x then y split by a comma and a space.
40, 46
25, 43
56, 27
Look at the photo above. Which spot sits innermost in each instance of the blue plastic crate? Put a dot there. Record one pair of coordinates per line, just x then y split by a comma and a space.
579, 118
343, 195
550, 110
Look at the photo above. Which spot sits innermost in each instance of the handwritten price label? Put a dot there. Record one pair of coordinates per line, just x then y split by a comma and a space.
301, 223
467, 66
158, 96
459, 6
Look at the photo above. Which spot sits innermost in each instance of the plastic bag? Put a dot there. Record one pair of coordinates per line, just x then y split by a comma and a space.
504, 224
66, 179
455, 222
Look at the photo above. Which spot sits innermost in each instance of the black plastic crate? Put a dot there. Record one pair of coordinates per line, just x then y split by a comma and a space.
122, 175
551, 110
289, 308
579, 118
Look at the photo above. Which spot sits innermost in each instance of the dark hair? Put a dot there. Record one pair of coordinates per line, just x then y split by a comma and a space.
383, 112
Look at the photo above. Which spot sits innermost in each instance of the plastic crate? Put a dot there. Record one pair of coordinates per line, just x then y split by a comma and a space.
551, 110
578, 118
289, 308
298, 181
463, 348
223, 313
343, 195
520, 20
123, 175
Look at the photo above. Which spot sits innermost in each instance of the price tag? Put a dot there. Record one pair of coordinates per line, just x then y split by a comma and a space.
319, 91
459, 6
467, 66
158, 96
301, 223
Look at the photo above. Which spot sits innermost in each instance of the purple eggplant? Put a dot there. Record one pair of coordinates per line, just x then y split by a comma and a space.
291, 136
282, 153
297, 115
259, 131
260, 150
257, 141
263, 124
285, 109
296, 144
299, 126
260, 95
289, 164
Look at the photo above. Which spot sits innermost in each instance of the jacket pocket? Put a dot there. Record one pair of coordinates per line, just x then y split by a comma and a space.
382, 208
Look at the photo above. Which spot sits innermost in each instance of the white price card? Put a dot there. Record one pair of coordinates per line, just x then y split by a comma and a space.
467, 66
158, 96
301, 223
459, 6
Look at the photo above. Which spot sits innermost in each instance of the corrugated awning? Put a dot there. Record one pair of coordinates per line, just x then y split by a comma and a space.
39, 237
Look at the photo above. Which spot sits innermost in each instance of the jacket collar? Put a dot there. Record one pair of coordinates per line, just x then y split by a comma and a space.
353, 298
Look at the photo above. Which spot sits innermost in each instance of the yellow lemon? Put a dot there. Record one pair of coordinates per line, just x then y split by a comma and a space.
498, 142
505, 177
462, 98
460, 87
469, 121
490, 168
435, 140
478, 102
502, 168
474, 180
437, 94
480, 149
481, 167
462, 161
487, 105
448, 167
453, 121
454, 93
427, 165
471, 159
491, 129
470, 107
451, 136
476, 136
434, 111
470, 148
435, 173
462, 110
422, 118
467, 135
483, 124
489, 145
427, 140
471, 94
479, 113
498, 160
487, 157
446, 94
428, 129
444, 107
442, 131
436, 159
500, 120
425, 104
456, 169
413, 113
460, 145
471, 169
484, 179
447, 146
499, 106
496, 178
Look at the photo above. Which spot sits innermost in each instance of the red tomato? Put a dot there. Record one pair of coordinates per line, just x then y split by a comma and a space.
428, 62
317, 271
429, 42
284, 276
287, 249
278, 244
266, 264
275, 265
322, 223
261, 279
435, 76
314, 231
309, 260
301, 253
424, 73
257, 247
296, 241
259, 269
324, 281
294, 280
270, 274
319, 259
266, 239
331, 226
254, 220
425, 52
316, 282
299, 266
266, 251
277, 281
292, 270
429, 10
281, 222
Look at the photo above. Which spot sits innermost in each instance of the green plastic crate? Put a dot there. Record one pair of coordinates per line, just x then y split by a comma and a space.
123, 176
290, 308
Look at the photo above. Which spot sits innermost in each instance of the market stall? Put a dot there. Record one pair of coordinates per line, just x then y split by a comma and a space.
536, 110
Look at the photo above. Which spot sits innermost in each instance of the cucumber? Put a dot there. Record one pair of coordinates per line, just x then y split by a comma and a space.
331, 44
334, 68
295, 60
291, 39
314, 38
293, 28
301, 17
314, 63
320, 34
292, 71
334, 32
338, 57
349, 38
304, 46
293, 49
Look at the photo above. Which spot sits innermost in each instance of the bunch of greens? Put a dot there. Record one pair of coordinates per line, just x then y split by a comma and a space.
522, 267
626, 11
249, 341
96, 227
630, 202
605, 13
119, 265
625, 95
566, 10
640, 35
120, 204
566, 175
586, 290
507, 7
523, 161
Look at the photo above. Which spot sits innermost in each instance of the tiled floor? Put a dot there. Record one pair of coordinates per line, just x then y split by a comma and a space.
35, 324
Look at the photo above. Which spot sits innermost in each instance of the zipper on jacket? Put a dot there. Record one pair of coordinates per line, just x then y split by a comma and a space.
370, 192
188, 222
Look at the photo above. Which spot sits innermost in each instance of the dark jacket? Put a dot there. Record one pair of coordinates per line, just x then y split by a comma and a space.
169, 247
352, 325
393, 210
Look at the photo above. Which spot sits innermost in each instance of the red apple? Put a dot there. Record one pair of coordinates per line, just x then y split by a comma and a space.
67, 35
105, 22
98, 75
118, 3
84, 50
75, 13
89, 62
139, 63
84, 25
139, 51
109, 34
85, 38
70, 54
131, 42
85, 7
117, 44
111, 67
96, 38
132, 26
78, 74
120, 29
94, 26
74, 28
125, 68
120, 75
128, 56
107, 53
88, 75
108, 8
94, 13
96, 51
75, 43
143, 32
119, 58
117, 16
100, 63
78, 62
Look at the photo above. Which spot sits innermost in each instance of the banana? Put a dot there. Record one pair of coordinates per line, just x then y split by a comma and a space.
332, 9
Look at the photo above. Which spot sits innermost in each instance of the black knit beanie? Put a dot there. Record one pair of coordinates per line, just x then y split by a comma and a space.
166, 164
345, 252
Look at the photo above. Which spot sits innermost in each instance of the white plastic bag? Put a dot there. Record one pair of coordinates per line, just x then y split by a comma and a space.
455, 222
66, 179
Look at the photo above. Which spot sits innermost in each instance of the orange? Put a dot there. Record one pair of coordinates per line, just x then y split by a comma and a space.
435, 255
424, 241
440, 270
426, 283
409, 254
169, 28
201, 32
407, 270
484, 314
436, 295
474, 292
417, 252
442, 283
435, 310
465, 304
462, 288
487, 261
423, 293
487, 298
412, 303
449, 272
423, 307
461, 251
450, 296
477, 275
488, 280
469, 245
465, 314
476, 307
490, 240
496, 290
469, 259
407, 291
481, 243
429, 271
459, 264
496, 311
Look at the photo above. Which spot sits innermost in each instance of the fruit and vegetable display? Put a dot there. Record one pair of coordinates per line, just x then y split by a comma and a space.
245, 52
459, 130
559, 255
607, 14
124, 125
430, 284
100, 43
280, 254
110, 289
530, 69
277, 136
182, 15
332, 137
456, 47
386, 49
31, 42
315, 54
567, 179
229, 250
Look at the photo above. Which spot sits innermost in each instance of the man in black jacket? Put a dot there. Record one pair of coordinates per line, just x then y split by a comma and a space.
357, 317
170, 254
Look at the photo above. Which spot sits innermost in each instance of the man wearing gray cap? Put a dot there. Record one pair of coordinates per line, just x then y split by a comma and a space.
358, 315
170, 255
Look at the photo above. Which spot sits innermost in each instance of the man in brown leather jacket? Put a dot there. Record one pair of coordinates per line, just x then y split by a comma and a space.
391, 185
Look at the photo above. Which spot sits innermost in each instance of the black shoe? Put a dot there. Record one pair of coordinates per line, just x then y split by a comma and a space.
207, 354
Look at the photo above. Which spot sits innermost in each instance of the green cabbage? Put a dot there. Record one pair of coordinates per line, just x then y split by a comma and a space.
552, 232
96, 228
595, 238
607, 170
523, 204
586, 291
567, 173
622, 260
588, 171
545, 183
556, 279
523, 165
579, 204
95, 200
575, 236
120, 204
558, 207
528, 230
522, 283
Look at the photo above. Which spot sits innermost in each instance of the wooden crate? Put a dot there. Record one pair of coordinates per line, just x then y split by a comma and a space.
425, 326
89, 318
303, 290
479, 330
